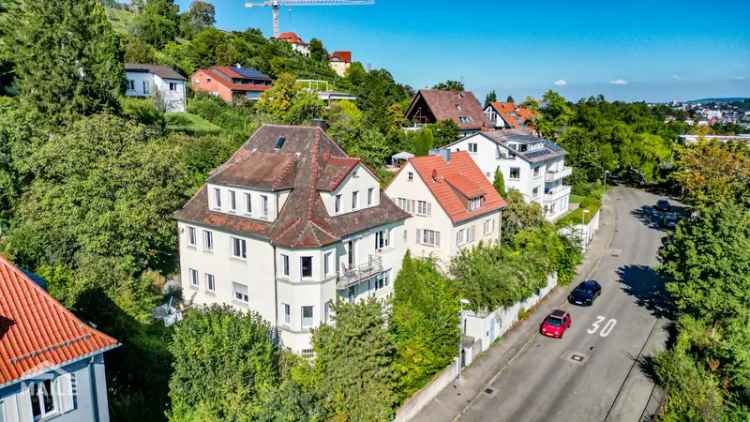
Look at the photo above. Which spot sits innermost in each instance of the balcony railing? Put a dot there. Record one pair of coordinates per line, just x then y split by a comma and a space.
558, 192
351, 276
556, 174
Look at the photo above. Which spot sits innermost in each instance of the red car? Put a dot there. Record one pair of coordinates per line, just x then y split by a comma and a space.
555, 324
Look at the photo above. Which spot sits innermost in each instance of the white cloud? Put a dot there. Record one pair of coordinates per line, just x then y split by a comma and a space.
619, 82
561, 82
676, 77
739, 78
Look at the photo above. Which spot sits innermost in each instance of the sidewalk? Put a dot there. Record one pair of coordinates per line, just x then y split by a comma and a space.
451, 402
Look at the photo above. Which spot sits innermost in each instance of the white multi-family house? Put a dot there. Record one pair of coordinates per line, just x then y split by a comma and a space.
286, 227
162, 82
453, 205
531, 165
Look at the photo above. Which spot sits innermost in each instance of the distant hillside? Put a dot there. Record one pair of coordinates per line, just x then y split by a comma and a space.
121, 19
722, 100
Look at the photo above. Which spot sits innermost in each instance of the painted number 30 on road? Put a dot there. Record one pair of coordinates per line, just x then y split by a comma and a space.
606, 329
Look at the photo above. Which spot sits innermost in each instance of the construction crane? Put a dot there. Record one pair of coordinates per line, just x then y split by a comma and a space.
276, 4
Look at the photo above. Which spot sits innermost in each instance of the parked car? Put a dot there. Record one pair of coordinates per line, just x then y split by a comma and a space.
555, 324
669, 220
663, 205
585, 293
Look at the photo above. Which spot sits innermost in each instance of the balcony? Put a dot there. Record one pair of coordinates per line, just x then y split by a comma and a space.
351, 276
556, 193
558, 173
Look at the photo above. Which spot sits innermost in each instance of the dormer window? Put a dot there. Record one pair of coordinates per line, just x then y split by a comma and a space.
475, 203
337, 207
411, 176
280, 143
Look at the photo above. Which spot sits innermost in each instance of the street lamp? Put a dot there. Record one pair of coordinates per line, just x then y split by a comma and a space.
461, 304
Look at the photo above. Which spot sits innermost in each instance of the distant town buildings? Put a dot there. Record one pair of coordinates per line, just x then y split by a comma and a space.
298, 44
231, 83
432, 106
161, 82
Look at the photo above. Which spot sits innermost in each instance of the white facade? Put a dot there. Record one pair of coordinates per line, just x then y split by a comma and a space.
171, 92
430, 231
293, 289
540, 182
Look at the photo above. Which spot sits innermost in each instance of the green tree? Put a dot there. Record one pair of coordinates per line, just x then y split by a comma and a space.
445, 132
518, 215
424, 323
499, 183
66, 57
449, 85
317, 51
200, 15
276, 102
712, 172
423, 142
157, 23
707, 264
224, 361
490, 98
357, 385
509, 99
556, 114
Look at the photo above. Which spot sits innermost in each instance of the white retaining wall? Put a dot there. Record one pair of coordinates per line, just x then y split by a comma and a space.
421, 398
583, 232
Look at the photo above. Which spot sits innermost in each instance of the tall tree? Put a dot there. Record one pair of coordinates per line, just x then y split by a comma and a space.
356, 385
509, 99
499, 183
317, 51
158, 22
490, 98
449, 85
711, 172
423, 142
202, 14
66, 57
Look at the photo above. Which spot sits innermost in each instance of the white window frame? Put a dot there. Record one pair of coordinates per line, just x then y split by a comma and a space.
238, 295
382, 239
173, 86
264, 202
146, 88
327, 262
510, 173
239, 248
337, 204
307, 322
460, 237
285, 267
54, 395
355, 200
194, 278
424, 208
473, 147
210, 283
370, 195
428, 237
470, 234
302, 267
287, 312
232, 201
410, 176
208, 240
248, 203
217, 198
192, 236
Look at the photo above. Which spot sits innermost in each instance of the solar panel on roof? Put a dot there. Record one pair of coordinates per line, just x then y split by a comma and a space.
250, 73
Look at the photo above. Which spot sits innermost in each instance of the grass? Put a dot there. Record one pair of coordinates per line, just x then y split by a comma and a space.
191, 124
576, 199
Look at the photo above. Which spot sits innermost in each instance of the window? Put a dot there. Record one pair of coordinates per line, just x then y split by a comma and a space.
210, 282
173, 86
208, 240
44, 399
306, 265
285, 265
411, 176
473, 147
264, 203
489, 226
475, 203
515, 173
248, 203
217, 198
424, 208
131, 84
287, 313
470, 234
279, 143
307, 316
233, 200
382, 239
240, 293
537, 171
355, 200
193, 278
191, 236
327, 262
370, 194
382, 280
239, 248
146, 87
428, 237
459, 237
338, 203
535, 192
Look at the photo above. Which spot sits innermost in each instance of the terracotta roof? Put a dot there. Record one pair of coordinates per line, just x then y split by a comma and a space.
516, 117
225, 75
460, 106
453, 183
260, 170
303, 222
341, 56
37, 333
291, 38
165, 72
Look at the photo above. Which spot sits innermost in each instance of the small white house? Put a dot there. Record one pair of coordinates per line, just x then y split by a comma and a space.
531, 165
162, 82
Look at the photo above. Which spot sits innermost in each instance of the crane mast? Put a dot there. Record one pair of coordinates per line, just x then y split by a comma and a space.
275, 5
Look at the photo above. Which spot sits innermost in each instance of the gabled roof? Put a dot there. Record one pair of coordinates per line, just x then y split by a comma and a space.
37, 333
456, 181
303, 222
225, 75
341, 56
258, 170
165, 72
515, 116
503, 138
291, 38
460, 106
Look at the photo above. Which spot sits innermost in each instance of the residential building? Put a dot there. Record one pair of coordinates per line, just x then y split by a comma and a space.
453, 205
298, 44
231, 84
340, 61
288, 225
162, 82
509, 116
51, 363
432, 106
531, 165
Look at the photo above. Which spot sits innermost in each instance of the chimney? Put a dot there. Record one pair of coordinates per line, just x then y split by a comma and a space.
445, 153
321, 123
434, 175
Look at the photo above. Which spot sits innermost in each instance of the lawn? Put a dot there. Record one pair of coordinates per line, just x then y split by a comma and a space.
191, 124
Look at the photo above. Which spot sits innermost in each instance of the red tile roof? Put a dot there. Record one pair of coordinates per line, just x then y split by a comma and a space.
460, 106
514, 116
454, 182
341, 56
291, 38
36, 331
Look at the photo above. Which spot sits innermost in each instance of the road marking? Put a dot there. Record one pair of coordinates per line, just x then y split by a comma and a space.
607, 327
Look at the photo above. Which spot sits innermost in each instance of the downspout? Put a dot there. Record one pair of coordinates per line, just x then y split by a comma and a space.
92, 388
275, 295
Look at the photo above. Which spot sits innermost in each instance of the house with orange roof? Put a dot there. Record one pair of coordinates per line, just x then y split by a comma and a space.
453, 206
340, 61
298, 44
51, 363
508, 115
231, 83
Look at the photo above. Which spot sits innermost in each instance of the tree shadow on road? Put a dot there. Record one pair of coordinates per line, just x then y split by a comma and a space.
645, 285
649, 216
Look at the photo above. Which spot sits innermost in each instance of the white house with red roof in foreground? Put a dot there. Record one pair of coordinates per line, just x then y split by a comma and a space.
51, 363
288, 225
453, 205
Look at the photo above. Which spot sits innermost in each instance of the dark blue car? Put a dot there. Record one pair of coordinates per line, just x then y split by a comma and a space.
585, 293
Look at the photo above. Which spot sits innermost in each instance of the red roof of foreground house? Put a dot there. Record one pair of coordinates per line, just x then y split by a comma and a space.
341, 56
460, 106
453, 183
290, 37
36, 332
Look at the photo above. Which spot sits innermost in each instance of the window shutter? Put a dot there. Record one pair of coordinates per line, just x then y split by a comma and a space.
437, 238
24, 405
65, 387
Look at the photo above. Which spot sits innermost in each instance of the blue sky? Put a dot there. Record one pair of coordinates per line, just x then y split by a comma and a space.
653, 50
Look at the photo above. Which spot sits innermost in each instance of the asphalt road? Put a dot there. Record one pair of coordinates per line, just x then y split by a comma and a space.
545, 382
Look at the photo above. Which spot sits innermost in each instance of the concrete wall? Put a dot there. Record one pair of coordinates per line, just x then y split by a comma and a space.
88, 403
583, 233
422, 397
